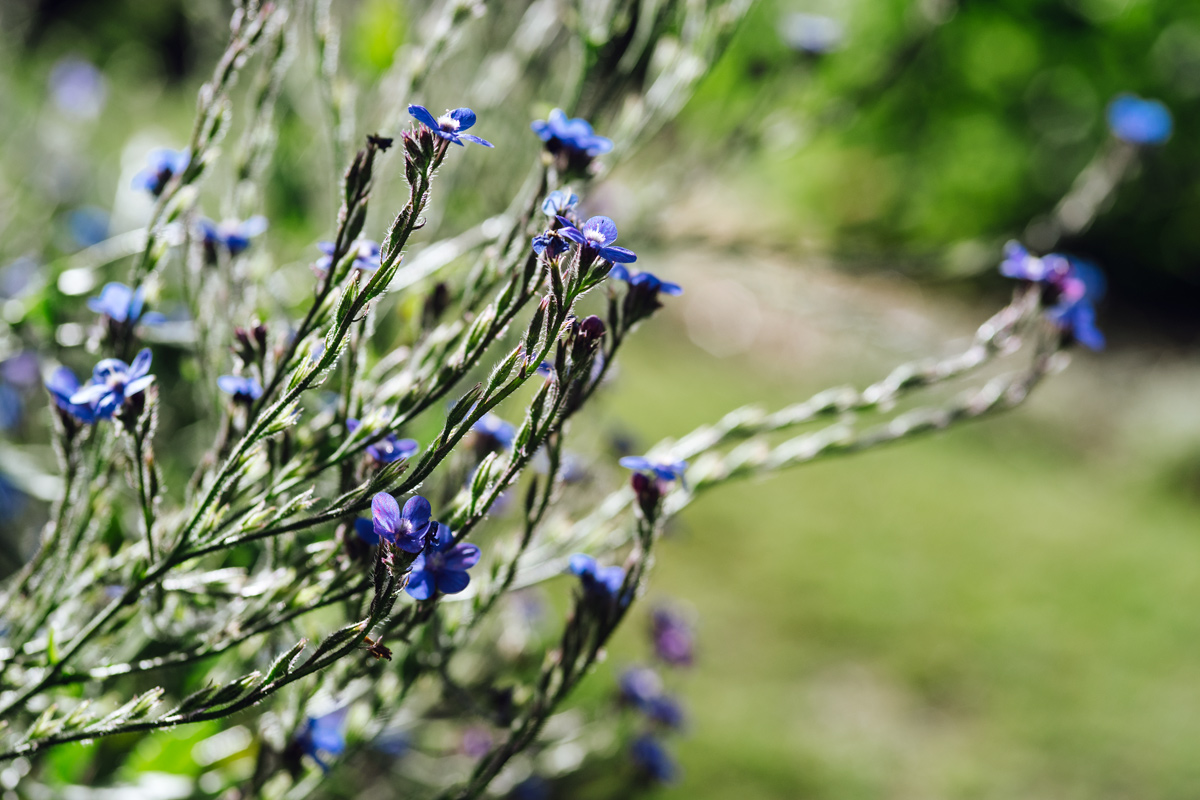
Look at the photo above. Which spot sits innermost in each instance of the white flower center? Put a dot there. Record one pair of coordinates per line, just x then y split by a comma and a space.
593, 235
447, 123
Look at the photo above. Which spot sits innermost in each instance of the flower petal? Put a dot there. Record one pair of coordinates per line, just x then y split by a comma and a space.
417, 512
637, 463
618, 255
462, 557
603, 226
89, 394
470, 137
421, 114
141, 363
619, 273
452, 581
465, 117
582, 564
365, 529
385, 512
421, 584
107, 367
138, 385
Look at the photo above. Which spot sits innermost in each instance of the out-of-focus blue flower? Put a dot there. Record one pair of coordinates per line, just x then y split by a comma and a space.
63, 386
1072, 287
113, 382
124, 305
665, 710
652, 759
366, 255
476, 741
450, 125
645, 282
597, 581
495, 431
388, 449
17, 277
660, 468
1137, 121
597, 235
561, 133
409, 529
161, 165
639, 686
324, 735
78, 88
559, 203
231, 234
812, 33
673, 640
88, 225
244, 389
20, 370
550, 240
442, 565
535, 787
365, 528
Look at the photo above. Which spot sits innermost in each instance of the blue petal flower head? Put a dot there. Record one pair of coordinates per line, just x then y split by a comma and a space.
62, 386
495, 430
597, 581
409, 529
388, 449
673, 640
449, 126
639, 686
161, 165
550, 240
597, 235
660, 468
324, 735
666, 711
114, 382
1072, 286
366, 255
561, 133
78, 88
1137, 121
545, 369
559, 203
231, 234
442, 565
645, 282
243, 389
124, 305
651, 758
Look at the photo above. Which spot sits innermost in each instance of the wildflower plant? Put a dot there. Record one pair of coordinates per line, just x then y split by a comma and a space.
334, 543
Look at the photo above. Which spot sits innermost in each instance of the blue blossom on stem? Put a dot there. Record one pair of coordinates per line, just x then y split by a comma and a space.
408, 529
552, 242
1137, 121
366, 255
597, 581
243, 389
638, 686
665, 710
388, 449
324, 735
572, 135
1071, 288
559, 203
124, 305
114, 382
449, 126
597, 236
231, 234
645, 282
653, 760
660, 468
161, 165
442, 565
62, 386
495, 431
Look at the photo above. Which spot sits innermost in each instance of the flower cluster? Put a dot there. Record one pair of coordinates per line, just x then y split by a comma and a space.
652, 478
113, 384
440, 565
1070, 286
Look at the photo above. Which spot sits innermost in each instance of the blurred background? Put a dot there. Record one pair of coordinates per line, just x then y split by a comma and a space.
1004, 611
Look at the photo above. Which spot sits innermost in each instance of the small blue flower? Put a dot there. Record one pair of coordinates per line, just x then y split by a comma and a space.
324, 735
550, 240
114, 382
660, 468
78, 88
408, 529
231, 234
561, 133
62, 386
1137, 121
651, 758
442, 565
597, 581
88, 225
495, 431
559, 203
388, 449
666, 711
366, 255
639, 686
124, 305
161, 165
243, 389
645, 282
597, 235
450, 125
1072, 287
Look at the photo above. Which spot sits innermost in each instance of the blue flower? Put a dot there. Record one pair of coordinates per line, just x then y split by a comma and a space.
324, 734
388, 449
550, 240
559, 203
666, 711
597, 581
114, 382
124, 305
660, 468
572, 135
78, 88
812, 33
673, 640
651, 758
161, 165
88, 225
408, 529
639, 686
231, 234
450, 125
645, 282
597, 235
442, 566
1071, 287
243, 389
365, 528
495, 431
1137, 121
366, 255
62, 386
